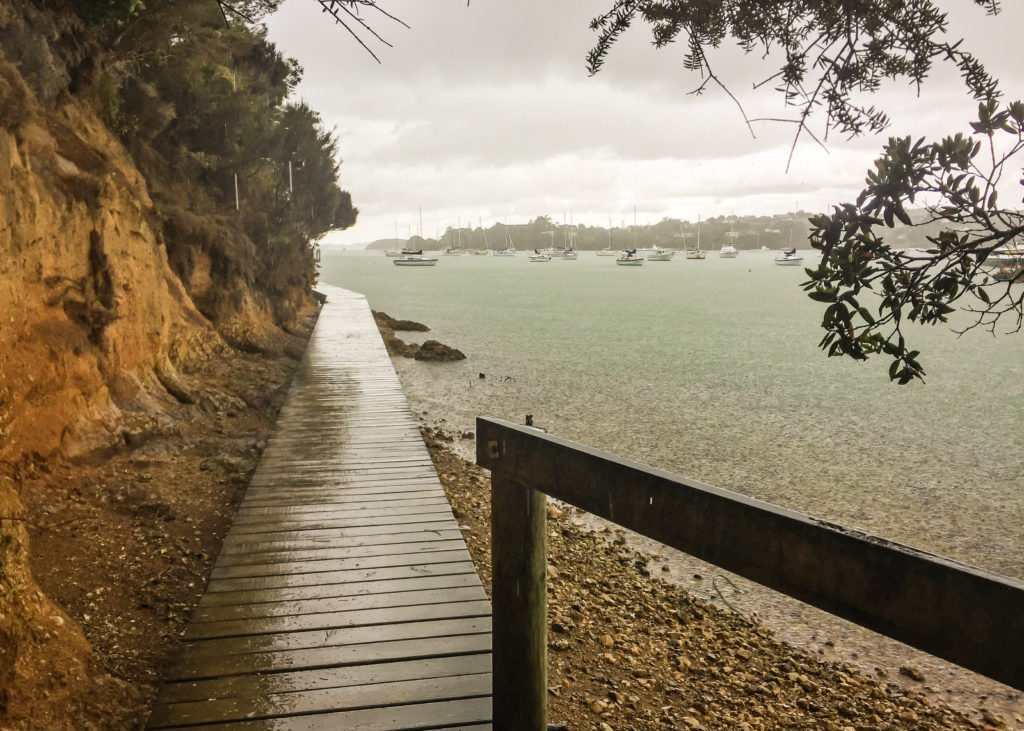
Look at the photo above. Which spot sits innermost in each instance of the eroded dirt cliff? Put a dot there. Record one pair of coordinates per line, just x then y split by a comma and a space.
102, 347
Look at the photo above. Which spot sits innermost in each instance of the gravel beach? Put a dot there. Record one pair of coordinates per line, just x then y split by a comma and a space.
627, 650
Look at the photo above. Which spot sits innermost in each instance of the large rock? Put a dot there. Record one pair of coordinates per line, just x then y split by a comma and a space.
431, 350
434, 351
384, 320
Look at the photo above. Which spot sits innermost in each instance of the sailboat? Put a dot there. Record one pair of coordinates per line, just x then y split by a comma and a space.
629, 258
456, 250
608, 250
510, 249
415, 261
538, 256
696, 253
728, 250
660, 254
486, 251
568, 249
789, 257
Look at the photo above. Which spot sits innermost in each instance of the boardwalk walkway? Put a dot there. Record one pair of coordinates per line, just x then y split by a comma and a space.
344, 597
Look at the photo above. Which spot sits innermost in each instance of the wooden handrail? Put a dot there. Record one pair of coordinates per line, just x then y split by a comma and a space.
968, 616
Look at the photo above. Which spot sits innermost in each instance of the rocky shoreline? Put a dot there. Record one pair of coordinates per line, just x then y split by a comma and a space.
627, 650
430, 350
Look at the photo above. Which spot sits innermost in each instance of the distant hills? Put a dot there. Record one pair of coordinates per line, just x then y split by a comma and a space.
746, 232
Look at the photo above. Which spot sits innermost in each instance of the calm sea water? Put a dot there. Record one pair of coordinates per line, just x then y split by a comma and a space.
711, 369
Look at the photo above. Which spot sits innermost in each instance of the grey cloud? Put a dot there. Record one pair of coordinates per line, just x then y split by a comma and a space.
488, 109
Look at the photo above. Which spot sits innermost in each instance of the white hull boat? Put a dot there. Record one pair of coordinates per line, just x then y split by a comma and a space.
728, 250
661, 255
415, 261
629, 258
789, 258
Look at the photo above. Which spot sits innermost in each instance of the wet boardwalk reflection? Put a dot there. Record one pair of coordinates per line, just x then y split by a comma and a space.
344, 597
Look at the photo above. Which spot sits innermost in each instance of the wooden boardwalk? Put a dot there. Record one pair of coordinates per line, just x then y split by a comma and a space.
344, 596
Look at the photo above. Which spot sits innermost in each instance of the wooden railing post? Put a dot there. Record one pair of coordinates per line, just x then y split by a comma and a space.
963, 614
519, 604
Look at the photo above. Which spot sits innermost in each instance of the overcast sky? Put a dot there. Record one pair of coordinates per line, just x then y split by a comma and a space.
487, 113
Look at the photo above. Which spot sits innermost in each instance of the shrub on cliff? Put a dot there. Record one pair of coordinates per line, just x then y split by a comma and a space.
241, 177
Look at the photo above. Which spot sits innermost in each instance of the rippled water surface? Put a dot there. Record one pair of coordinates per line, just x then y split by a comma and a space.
711, 369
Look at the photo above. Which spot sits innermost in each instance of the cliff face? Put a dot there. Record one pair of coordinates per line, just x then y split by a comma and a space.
94, 328
94, 316
97, 335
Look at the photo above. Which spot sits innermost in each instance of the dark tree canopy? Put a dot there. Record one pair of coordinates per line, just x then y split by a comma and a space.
237, 171
833, 52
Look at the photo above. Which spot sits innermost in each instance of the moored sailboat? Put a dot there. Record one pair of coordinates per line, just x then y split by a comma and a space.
415, 261
629, 258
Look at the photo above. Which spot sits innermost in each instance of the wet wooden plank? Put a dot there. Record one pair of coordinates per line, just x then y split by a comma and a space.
318, 578
349, 461
320, 521
222, 666
470, 713
337, 677
254, 549
342, 564
344, 596
298, 510
328, 620
326, 591
375, 695
340, 637
376, 490
320, 554
370, 484
393, 489
333, 533
295, 608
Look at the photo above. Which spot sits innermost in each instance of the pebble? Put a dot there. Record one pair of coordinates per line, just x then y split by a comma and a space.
912, 673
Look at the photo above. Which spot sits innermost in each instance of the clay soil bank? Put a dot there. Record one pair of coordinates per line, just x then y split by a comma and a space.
125, 544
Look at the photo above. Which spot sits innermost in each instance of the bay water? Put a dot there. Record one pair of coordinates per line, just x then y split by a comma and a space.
711, 369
